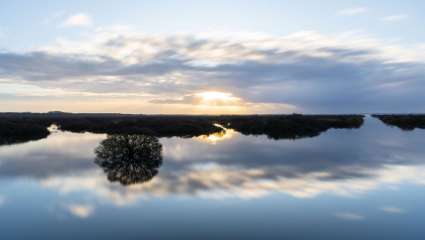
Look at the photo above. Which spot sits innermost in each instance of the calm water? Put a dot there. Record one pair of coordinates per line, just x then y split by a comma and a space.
367, 183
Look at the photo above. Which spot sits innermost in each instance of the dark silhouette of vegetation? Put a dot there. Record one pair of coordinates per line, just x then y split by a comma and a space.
407, 122
274, 126
18, 131
161, 126
154, 125
290, 126
129, 159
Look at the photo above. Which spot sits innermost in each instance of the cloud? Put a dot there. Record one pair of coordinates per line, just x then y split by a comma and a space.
350, 216
352, 11
395, 18
80, 210
307, 71
205, 98
78, 20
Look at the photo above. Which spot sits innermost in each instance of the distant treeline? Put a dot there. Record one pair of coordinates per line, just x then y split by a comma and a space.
406, 122
155, 125
17, 127
21, 130
289, 126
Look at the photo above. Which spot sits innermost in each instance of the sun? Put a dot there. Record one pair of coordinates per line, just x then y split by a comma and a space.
217, 98
215, 95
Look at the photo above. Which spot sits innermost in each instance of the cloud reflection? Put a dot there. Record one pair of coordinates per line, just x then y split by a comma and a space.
59, 153
241, 167
80, 210
392, 210
217, 182
350, 216
2, 200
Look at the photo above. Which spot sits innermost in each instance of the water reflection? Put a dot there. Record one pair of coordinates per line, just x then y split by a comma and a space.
129, 159
214, 138
342, 162
361, 174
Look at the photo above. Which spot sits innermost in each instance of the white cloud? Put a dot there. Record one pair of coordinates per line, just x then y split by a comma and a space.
395, 18
78, 20
352, 11
301, 70
80, 210
350, 216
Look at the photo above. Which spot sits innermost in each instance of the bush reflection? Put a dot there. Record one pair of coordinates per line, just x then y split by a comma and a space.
129, 159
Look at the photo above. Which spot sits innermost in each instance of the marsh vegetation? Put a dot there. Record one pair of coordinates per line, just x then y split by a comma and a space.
129, 159
406, 122
17, 127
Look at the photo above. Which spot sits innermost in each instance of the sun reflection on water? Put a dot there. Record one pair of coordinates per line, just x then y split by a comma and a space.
214, 138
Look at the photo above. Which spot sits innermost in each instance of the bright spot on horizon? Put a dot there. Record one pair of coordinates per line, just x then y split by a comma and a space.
218, 98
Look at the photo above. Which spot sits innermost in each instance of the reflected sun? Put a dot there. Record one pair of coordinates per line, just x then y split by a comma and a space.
219, 136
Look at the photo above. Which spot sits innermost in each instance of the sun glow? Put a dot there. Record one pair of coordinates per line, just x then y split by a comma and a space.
218, 98
215, 95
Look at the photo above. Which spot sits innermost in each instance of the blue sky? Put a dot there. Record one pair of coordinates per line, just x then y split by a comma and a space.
27, 24
52, 29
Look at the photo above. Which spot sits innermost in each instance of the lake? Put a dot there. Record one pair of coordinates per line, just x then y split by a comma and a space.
366, 183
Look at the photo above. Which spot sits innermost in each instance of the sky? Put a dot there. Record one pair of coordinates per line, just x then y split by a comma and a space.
212, 57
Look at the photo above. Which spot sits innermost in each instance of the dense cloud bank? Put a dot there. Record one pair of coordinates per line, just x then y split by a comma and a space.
312, 72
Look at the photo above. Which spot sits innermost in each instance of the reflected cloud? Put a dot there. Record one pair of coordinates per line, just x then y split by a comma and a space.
212, 181
59, 153
350, 216
392, 210
244, 167
80, 210
2, 200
